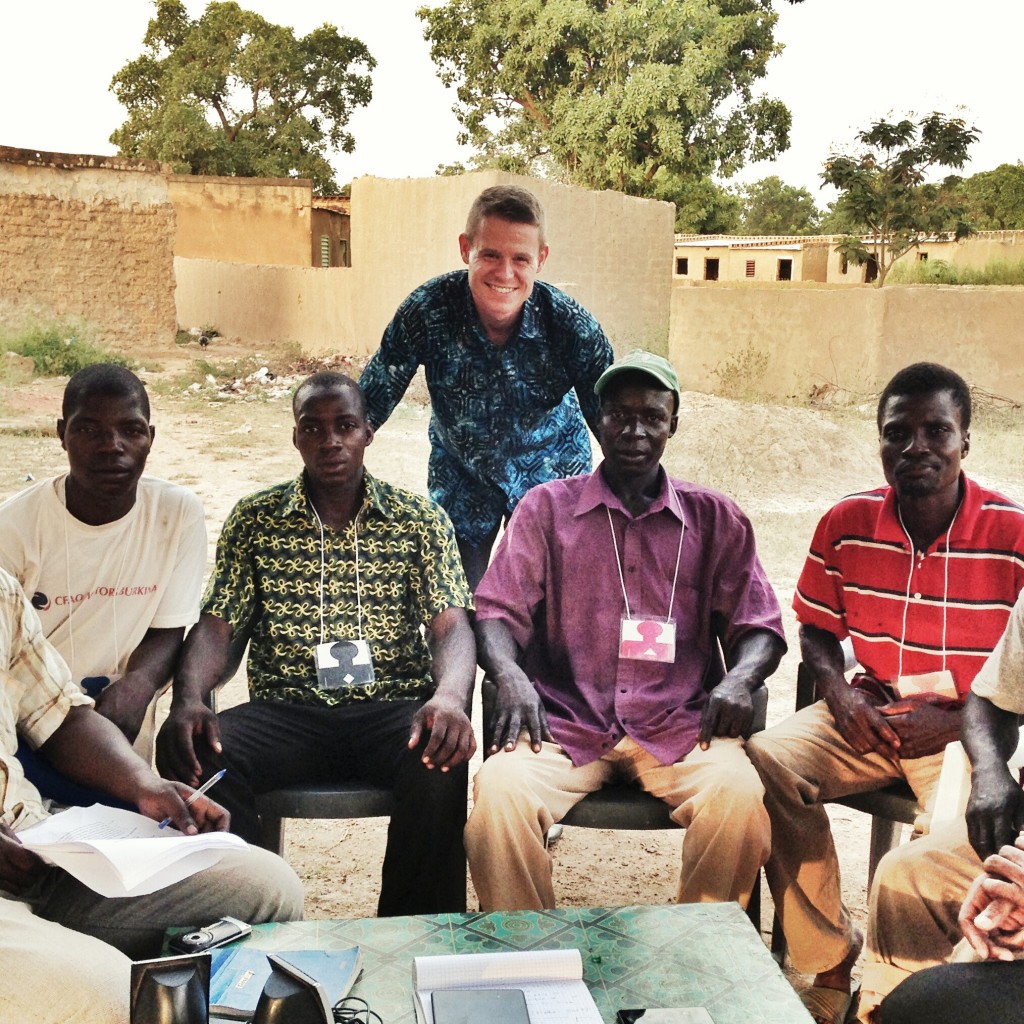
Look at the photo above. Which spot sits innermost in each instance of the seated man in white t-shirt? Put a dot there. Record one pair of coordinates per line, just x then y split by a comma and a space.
112, 561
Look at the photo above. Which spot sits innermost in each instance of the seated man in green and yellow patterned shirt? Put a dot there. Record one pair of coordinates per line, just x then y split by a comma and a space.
331, 576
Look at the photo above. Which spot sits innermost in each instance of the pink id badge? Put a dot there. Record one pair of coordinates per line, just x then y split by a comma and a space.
647, 640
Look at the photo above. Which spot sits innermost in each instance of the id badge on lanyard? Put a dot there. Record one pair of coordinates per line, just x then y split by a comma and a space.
344, 665
647, 640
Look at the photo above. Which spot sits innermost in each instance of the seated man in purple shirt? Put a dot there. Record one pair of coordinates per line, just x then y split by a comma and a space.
603, 619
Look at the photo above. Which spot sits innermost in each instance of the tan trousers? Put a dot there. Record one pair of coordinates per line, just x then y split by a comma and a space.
519, 794
913, 906
804, 761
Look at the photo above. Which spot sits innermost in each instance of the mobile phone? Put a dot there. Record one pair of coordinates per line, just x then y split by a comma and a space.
220, 933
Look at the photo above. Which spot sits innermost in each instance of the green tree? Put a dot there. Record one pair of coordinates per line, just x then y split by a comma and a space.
883, 187
996, 198
703, 207
771, 207
231, 93
611, 93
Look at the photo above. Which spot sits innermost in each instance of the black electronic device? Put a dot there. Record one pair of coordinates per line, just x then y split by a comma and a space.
478, 1005
219, 933
171, 990
291, 996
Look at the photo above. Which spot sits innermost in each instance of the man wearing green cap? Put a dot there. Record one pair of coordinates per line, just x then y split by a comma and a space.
607, 618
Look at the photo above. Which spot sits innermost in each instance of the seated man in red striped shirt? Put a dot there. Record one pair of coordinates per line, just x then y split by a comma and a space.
921, 576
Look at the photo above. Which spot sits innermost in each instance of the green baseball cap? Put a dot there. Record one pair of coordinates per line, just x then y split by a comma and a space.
654, 366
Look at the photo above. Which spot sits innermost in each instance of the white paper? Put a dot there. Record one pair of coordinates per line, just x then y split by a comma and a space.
120, 853
551, 980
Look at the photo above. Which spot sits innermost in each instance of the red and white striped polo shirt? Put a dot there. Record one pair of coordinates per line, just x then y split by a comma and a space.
946, 607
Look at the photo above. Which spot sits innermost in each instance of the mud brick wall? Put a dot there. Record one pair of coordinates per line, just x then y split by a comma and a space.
87, 237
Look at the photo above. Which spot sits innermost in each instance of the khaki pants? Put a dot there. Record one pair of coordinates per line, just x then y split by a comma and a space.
804, 761
913, 907
715, 795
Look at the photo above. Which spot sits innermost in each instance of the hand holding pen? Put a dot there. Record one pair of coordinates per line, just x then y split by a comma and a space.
213, 780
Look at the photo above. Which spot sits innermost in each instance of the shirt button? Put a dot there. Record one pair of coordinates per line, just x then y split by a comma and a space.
917, 597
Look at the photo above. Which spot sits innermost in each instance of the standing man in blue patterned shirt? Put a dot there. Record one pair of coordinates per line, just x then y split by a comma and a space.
510, 363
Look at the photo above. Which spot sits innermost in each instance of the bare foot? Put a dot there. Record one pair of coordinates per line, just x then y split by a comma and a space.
838, 977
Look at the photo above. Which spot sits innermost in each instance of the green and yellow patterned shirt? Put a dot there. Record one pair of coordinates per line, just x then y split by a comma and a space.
267, 580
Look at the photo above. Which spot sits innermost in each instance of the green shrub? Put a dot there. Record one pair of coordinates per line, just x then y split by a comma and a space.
943, 272
61, 349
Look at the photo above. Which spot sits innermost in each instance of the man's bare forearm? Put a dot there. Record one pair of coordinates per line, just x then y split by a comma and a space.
453, 655
496, 649
204, 660
990, 735
822, 653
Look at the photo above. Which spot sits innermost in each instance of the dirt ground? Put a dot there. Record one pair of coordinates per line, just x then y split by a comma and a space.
785, 465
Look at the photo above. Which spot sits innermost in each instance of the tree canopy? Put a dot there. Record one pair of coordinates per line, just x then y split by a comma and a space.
995, 198
884, 191
611, 93
231, 93
771, 207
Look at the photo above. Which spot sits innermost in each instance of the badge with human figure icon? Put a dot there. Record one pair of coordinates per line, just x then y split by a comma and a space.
344, 665
647, 640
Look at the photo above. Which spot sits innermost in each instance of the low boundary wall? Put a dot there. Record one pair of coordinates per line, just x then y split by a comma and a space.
778, 343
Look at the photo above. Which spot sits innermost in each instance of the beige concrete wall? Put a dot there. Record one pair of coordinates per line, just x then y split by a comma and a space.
776, 343
87, 237
609, 251
310, 306
242, 220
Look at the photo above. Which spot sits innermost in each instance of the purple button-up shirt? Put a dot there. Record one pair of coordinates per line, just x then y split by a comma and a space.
555, 583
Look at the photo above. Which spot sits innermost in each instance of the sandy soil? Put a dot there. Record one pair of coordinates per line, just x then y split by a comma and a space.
785, 465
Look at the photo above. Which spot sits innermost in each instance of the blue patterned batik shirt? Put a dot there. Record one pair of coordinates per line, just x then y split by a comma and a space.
505, 418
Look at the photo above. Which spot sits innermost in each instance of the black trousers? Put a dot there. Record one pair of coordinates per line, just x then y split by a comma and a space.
269, 744
982, 993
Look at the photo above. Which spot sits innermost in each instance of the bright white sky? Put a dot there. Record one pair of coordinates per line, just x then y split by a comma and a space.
846, 63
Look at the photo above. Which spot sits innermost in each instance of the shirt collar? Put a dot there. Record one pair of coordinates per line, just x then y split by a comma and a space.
295, 500
964, 522
596, 493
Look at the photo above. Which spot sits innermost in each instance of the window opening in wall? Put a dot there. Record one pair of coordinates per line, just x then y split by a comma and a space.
750, 268
682, 265
325, 251
844, 264
870, 270
343, 244
785, 270
922, 257
711, 270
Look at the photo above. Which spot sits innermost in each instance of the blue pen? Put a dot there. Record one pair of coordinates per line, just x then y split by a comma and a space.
198, 793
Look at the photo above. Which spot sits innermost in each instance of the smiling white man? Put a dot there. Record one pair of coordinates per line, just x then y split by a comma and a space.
510, 363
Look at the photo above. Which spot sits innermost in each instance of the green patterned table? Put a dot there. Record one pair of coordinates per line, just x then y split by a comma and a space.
696, 955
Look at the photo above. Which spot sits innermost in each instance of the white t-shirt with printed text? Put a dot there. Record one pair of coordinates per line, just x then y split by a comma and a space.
98, 589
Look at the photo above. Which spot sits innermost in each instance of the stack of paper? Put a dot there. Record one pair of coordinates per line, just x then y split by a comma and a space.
121, 853
551, 980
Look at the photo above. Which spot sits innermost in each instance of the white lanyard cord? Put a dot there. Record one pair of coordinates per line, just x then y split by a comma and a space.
679, 556
945, 590
323, 573
71, 601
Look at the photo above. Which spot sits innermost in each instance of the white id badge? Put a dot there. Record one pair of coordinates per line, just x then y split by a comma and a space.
343, 665
647, 640
940, 683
